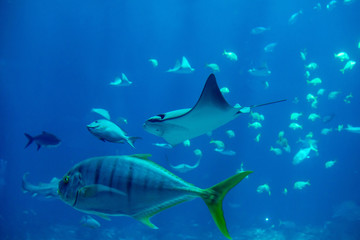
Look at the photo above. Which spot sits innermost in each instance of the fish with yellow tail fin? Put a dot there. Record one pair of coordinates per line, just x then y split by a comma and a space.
137, 187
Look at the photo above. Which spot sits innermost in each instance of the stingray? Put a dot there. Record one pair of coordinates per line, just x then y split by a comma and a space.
210, 112
183, 67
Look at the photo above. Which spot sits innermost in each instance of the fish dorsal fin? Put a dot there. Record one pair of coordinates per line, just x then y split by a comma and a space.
145, 156
185, 63
211, 96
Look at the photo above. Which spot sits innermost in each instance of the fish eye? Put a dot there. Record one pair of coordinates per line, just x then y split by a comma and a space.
66, 179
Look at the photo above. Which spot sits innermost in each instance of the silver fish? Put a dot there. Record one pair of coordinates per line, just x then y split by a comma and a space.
137, 187
48, 190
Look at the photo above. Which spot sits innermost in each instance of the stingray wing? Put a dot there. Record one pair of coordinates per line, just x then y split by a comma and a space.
210, 112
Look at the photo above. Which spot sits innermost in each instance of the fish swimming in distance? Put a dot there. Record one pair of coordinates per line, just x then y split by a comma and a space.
183, 67
136, 187
48, 190
45, 139
106, 130
210, 112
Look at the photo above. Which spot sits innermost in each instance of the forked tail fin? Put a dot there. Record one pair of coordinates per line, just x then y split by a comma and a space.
131, 140
30, 138
213, 197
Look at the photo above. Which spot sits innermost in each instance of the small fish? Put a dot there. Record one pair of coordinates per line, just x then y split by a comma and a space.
224, 90
45, 139
220, 145
255, 125
333, 94
259, 30
225, 152
320, 92
183, 67
122, 81
352, 129
257, 116
348, 66
214, 67
295, 116
285, 191
326, 131
230, 55
347, 98
270, 47
314, 116
301, 184
136, 187
277, 151
154, 62
340, 127
295, 126
293, 19
88, 221
187, 143
314, 82
230, 133
329, 164
48, 190
342, 56
102, 112
106, 130
310, 97
312, 66
163, 145
303, 55
257, 138
260, 72
263, 188
303, 154
331, 5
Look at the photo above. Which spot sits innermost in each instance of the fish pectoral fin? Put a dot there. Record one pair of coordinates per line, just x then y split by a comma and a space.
146, 220
94, 190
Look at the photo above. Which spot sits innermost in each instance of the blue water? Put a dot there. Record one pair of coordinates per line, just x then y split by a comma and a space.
57, 59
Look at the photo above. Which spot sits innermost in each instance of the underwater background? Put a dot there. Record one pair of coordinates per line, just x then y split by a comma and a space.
57, 59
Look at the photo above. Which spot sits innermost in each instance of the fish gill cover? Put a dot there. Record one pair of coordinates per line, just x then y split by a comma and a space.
66, 64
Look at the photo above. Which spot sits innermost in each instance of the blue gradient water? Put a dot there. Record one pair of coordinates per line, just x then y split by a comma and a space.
57, 59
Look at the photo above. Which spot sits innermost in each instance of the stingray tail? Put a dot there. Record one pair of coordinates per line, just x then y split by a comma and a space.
131, 140
213, 197
30, 138
264, 104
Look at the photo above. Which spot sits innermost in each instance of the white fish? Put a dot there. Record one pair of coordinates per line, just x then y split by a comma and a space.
329, 164
257, 116
294, 17
333, 94
295, 116
314, 81
136, 187
303, 154
301, 184
219, 145
326, 131
342, 56
259, 30
314, 116
225, 90
264, 188
163, 145
48, 190
348, 66
331, 5
225, 152
106, 130
230, 55
183, 167
320, 92
214, 67
270, 47
352, 129
123, 81
295, 126
183, 67
102, 112
260, 72
348, 98
277, 151
257, 138
187, 143
154, 62
210, 112
303, 55
283, 142
88, 221
255, 125
312, 66
230, 133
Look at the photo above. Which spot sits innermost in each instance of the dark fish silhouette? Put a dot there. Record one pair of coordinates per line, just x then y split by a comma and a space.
45, 139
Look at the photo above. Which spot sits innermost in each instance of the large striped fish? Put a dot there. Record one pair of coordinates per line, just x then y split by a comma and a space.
137, 187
